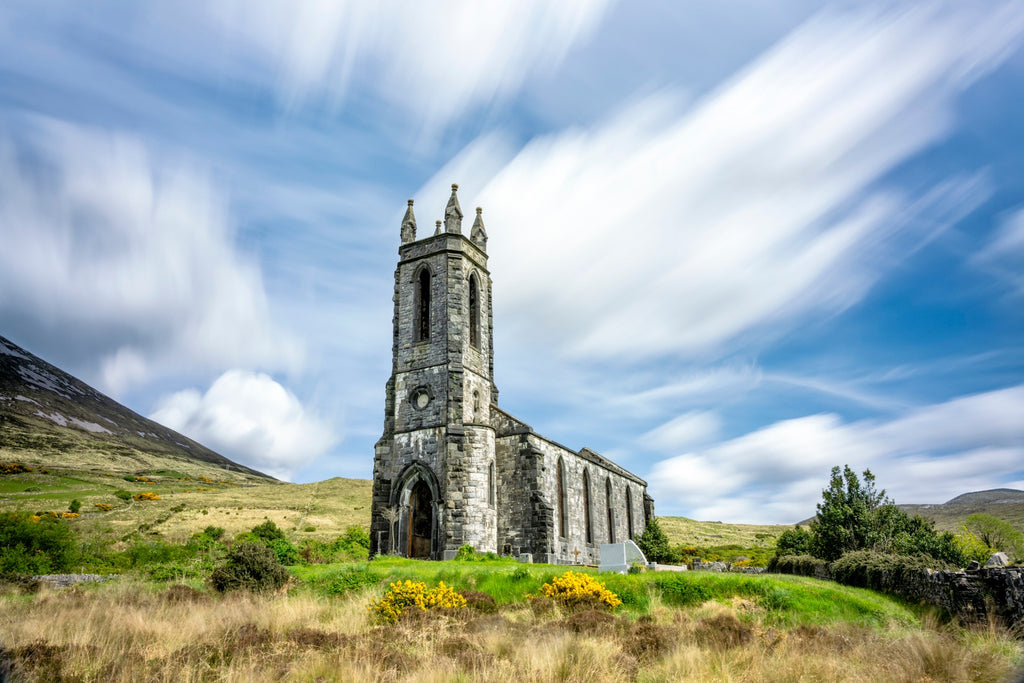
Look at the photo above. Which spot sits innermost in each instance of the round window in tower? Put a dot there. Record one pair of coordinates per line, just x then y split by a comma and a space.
420, 397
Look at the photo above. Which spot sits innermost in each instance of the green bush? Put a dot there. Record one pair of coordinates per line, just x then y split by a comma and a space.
123, 495
349, 579
214, 532
28, 546
682, 591
268, 532
801, 565
654, 544
75, 506
881, 571
250, 566
795, 541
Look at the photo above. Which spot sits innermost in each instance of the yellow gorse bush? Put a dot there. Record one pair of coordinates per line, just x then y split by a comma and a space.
148, 495
405, 595
577, 589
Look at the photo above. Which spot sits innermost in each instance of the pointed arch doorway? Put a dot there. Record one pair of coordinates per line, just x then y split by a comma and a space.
421, 521
417, 496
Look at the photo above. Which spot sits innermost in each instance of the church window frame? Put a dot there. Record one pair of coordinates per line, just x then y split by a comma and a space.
563, 508
421, 324
474, 311
588, 525
608, 506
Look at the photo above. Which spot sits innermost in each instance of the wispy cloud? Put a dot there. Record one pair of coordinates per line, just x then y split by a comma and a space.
1003, 256
925, 455
133, 258
251, 419
761, 203
434, 60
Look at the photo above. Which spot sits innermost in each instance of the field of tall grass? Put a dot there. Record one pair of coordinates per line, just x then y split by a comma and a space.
697, 626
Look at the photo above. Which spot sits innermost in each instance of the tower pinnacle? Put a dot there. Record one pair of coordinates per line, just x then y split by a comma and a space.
478, 235
453, 213
409, 226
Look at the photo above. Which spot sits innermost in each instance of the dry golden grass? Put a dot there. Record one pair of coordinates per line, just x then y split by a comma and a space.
127, 631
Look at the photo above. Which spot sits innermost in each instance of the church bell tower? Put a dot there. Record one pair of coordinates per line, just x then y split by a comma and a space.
434, 465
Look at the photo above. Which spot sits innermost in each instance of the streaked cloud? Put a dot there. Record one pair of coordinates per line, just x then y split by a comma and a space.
926, 455
132, 257
252, 419
759, 204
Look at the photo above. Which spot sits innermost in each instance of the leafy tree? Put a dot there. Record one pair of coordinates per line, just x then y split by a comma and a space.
793, 542
268, 532
75, 505
846, 516
654, 544
996, 533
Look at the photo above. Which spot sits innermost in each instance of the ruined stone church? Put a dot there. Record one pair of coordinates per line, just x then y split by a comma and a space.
452, 468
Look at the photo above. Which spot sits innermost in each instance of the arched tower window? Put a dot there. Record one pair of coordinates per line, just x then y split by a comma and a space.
562, 507
474, 312
423, 305
629, 512
608, 507
586, 507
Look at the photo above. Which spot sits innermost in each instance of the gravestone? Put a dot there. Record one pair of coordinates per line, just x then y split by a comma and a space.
619, 557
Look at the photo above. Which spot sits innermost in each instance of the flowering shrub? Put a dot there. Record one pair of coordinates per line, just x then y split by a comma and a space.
575, 589
103, 507
13, 468
148, 495
406, 595
69, 515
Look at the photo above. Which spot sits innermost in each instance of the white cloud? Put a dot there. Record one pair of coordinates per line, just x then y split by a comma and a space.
662, 233
691, 427
776, 473
433, 59
251, 419
133, 259
1003, 256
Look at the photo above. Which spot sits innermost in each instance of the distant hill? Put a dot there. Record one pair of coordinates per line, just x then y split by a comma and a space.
992, 496
49, 418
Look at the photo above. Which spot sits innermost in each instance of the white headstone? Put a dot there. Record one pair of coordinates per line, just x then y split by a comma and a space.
619, 557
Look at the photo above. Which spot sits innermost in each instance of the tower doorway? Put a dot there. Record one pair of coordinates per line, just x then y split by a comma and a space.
421, 521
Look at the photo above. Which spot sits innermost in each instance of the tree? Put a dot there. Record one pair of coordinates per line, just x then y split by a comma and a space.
793, 542
654, 544
996, 533
846, 518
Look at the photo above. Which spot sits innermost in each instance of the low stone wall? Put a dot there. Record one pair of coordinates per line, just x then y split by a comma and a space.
973, 596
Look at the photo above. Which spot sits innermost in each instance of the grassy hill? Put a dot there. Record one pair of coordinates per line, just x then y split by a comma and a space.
49, 418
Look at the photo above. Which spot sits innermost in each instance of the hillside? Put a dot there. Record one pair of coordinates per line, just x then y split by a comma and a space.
49, 418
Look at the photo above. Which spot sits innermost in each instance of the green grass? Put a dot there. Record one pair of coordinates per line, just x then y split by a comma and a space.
785, 601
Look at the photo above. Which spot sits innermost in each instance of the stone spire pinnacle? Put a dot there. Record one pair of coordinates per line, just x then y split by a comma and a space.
453, 213
478, 235
437, 230
409, 226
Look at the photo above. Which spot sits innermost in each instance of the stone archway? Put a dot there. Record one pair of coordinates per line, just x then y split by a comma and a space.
417, 497
421, 521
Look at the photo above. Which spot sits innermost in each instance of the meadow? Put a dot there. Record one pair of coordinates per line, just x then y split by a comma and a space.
696, 626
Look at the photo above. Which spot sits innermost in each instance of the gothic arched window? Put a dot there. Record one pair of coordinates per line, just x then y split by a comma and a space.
608, 506
586, 507
629, 512
563, 525
423, 305
474, 312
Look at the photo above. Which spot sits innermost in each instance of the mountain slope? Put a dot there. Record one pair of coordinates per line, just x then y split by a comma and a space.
49, 418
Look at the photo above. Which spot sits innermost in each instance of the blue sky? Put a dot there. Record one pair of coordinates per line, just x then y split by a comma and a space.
732, 245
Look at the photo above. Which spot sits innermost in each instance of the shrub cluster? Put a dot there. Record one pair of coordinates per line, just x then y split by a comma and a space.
403, 596
147, 495
881, 571
250, 566
801, 565
351, 546
575, 589
13, 468
35, 545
